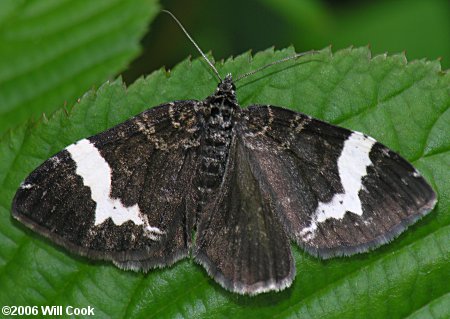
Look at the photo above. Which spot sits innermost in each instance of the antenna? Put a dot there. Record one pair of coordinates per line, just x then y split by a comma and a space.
194, 43
293, 57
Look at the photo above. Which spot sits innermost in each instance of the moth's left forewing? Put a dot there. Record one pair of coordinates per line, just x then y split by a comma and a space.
121, 195
337, 192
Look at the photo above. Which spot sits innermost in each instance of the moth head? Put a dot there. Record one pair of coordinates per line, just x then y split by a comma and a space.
226, 86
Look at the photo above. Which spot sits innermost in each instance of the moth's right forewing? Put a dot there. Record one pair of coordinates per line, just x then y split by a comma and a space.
336, 191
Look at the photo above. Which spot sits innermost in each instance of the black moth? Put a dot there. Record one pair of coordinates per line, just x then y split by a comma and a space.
247, 181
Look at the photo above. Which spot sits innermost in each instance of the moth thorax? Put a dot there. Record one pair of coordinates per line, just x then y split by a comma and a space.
220, 114
214, 149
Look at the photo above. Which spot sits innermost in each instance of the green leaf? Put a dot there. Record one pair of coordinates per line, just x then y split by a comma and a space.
388, 26
51, 52
404, 105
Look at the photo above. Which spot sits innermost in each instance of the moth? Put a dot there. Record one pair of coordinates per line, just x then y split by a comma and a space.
231, 187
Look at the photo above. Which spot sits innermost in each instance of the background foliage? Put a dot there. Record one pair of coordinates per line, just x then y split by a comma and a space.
419, 27
405, 106
53, 51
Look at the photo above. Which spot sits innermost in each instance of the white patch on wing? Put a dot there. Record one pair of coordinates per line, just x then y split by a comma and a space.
26, 186
352, 166
96, 174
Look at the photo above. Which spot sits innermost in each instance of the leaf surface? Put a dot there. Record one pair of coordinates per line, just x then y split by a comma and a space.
51, 52
403, 105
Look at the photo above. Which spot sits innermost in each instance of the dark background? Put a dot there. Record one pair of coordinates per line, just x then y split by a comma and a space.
421, 28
